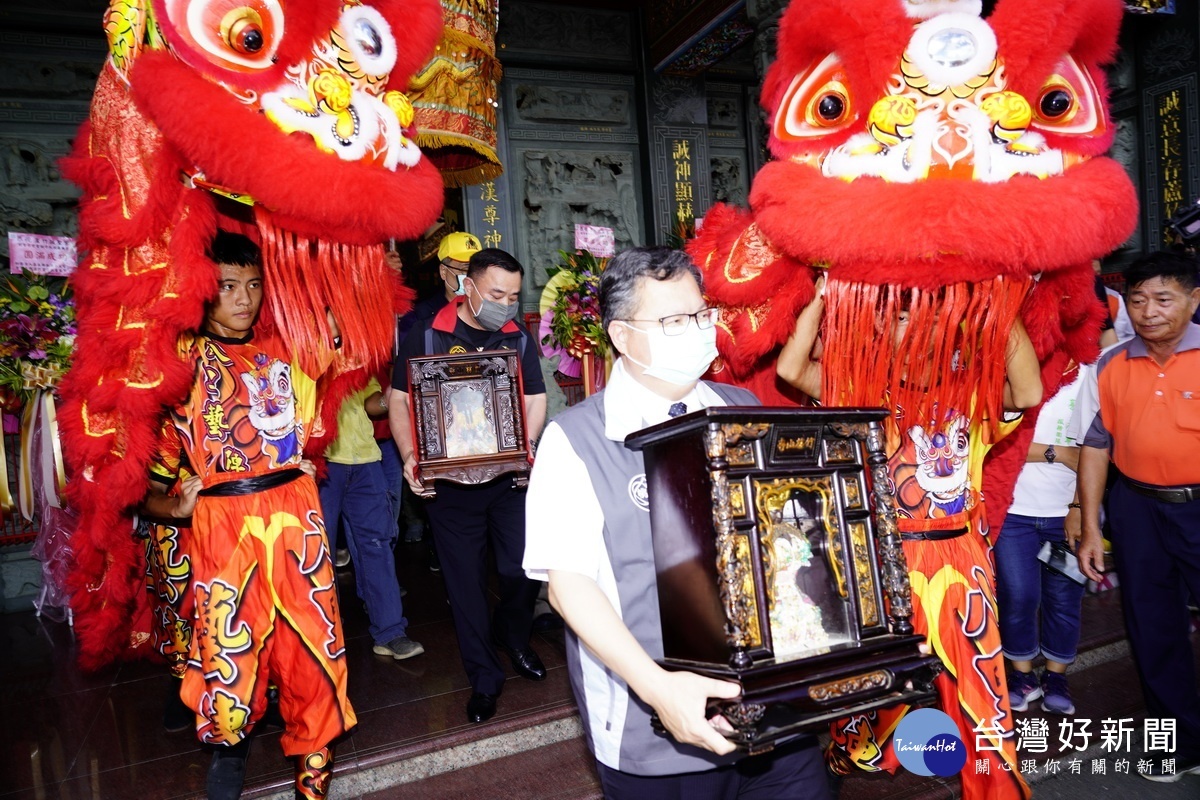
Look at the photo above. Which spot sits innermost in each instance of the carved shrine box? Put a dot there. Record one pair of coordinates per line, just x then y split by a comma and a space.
468, 418
779, 565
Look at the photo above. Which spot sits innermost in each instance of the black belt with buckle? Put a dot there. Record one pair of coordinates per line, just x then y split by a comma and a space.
252, 485
932, 536
1168, 494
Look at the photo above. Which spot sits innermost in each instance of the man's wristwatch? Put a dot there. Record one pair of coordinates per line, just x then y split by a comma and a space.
1050, 454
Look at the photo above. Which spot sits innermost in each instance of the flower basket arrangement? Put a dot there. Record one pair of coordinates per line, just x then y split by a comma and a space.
37, 338
571, 326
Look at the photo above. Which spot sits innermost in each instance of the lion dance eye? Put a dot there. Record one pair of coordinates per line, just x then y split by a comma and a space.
367, 37
831, 107
241, 35
1054, 103
816, 103
1069, 103
242, 30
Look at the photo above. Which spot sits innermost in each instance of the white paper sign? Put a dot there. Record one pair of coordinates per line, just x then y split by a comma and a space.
42, 255
597, 240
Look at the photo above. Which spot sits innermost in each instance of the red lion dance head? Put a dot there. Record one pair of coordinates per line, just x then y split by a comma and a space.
287, 117
935, 162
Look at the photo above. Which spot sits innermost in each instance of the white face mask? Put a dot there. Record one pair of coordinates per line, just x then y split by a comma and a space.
679, 360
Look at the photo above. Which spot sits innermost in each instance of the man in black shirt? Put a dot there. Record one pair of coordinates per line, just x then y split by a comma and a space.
463, 517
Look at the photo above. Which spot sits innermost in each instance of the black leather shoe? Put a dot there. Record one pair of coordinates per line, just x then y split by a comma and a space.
526, 662
227, 772
481, 707
177, 717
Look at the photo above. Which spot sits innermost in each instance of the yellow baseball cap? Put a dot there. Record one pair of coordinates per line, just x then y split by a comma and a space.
459, 245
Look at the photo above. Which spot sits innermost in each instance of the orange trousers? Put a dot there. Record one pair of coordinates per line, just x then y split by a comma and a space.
954, 607
168, 578
266, 610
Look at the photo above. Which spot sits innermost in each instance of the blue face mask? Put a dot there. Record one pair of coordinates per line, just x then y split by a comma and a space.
461, 276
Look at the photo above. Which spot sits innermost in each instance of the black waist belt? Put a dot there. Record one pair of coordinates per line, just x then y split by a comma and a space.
1168, 494
932, 536
252, 485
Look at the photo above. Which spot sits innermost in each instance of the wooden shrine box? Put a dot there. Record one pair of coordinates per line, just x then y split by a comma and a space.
779, 565
468, 418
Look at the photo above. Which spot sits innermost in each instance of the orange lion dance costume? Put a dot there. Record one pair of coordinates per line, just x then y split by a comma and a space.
285, 119
950, 167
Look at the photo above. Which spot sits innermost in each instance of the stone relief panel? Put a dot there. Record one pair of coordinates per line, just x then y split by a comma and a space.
1172, 52
1122, 73
75, 79
678, 101
757, 128
764, 45
561, 187
46, 84
552, 32
723, 112
543, 103
729, 164
760, 10
730, 181
34, 197
1125, 151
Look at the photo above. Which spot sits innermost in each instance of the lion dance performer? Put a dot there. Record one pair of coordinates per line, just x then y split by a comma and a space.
945, 172
283, 119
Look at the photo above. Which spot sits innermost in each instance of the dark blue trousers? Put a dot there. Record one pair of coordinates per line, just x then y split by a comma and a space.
358, 496
1156, 546
465, 520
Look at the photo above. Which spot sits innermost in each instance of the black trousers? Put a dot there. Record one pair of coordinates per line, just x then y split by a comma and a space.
464, 519
795, 770
1156, 547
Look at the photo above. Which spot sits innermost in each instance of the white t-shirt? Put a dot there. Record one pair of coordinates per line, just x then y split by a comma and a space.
1043, 490
1122, 325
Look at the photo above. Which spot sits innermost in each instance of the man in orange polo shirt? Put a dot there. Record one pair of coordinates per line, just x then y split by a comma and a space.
1146, 417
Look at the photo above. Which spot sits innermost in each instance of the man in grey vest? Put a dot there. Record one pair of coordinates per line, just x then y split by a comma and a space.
588, 534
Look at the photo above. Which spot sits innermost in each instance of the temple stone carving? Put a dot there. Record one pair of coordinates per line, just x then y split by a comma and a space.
563, 187
729, 179
33, 195
571, 104
678, 101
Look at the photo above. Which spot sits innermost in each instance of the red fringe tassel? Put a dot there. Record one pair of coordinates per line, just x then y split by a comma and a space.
951, 356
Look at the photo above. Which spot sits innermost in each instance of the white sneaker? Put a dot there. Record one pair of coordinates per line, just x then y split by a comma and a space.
399, 648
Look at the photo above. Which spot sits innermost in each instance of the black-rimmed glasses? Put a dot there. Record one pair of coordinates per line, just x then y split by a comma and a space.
675, 324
